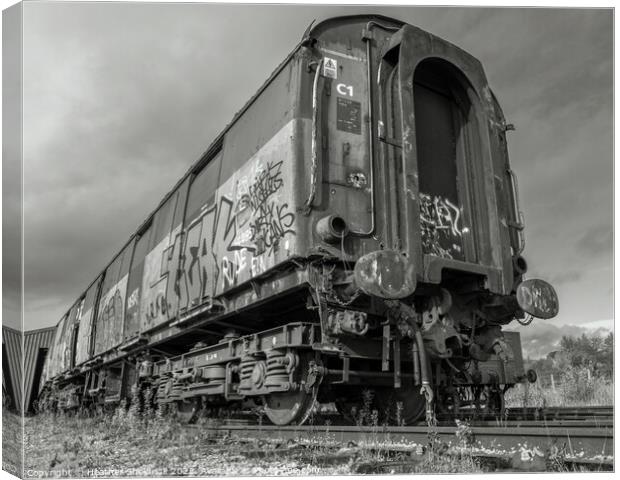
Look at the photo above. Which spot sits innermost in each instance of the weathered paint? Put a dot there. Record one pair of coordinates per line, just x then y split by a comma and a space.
84, 334
255, 225
110, 317
344, 113
243, 230
153, 302
61, 342
482, 245
134, 286
86, 323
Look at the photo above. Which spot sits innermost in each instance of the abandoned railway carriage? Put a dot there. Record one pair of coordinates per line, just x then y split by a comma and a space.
355, 226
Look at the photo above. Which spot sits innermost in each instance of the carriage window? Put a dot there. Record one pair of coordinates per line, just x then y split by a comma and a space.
162, 222
82, 349
181, 195
203, 187
134, 286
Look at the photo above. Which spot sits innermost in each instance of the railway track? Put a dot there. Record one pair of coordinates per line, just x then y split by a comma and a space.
533, 416
566, 413
580, 437
587, 442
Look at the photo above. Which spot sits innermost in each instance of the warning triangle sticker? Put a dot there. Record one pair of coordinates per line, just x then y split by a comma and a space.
330, 69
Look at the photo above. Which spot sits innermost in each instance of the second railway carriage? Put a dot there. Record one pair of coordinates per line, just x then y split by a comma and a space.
355, 226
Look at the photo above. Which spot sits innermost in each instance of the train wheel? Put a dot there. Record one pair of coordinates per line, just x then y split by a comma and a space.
403, 406
187, 410
293, 407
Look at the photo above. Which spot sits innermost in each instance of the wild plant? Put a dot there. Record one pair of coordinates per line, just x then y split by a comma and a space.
400, 421
364, 415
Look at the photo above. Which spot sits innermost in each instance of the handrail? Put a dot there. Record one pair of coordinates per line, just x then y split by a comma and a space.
518, 222
315, 134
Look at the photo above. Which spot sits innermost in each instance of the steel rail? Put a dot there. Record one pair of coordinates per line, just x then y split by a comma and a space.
540, 414
586, 442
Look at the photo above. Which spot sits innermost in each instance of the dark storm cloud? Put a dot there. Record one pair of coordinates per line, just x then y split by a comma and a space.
120, 99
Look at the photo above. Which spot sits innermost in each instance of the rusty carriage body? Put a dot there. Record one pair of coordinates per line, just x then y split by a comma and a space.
356, 226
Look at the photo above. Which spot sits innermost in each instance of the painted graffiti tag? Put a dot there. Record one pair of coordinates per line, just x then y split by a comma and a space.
132, 301
157, 307
441, 226
259, 220
229, 237
267, 182
112, 311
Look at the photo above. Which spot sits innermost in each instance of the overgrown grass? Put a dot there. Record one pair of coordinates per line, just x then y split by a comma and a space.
151, 443
133, 443
125, 444
575, 389
11, 442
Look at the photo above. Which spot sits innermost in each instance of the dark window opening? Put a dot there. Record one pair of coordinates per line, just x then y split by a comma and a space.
441, 110
8, 395
36, 379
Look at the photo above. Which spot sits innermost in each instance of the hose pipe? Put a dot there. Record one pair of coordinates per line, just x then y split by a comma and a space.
416, 364
426, 389
424, 366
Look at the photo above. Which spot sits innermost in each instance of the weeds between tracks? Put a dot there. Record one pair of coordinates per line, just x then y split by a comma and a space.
151, 442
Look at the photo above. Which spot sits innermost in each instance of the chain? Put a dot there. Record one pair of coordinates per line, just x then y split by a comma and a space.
333, 297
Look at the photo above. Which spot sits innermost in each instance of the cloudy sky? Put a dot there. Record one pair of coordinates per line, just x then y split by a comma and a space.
120, 99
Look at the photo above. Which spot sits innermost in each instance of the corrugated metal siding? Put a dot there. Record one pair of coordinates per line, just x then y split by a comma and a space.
33, 341
12, 342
